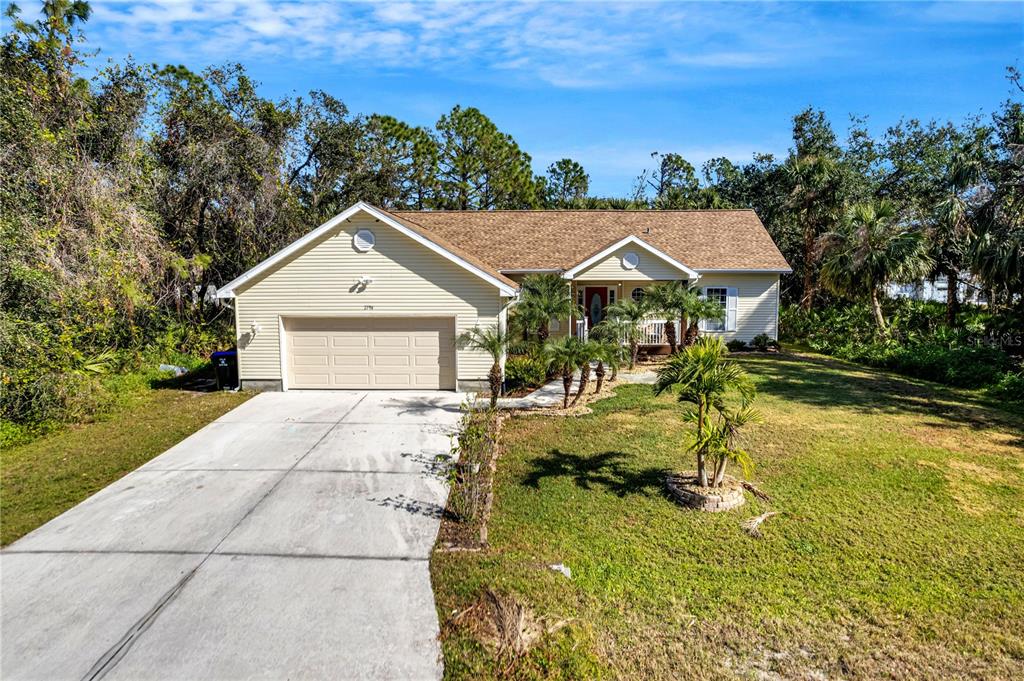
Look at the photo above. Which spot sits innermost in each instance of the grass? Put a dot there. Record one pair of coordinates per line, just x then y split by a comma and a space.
45, 477
899, 552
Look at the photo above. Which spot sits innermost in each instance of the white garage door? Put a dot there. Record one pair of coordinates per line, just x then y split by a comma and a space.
395, 353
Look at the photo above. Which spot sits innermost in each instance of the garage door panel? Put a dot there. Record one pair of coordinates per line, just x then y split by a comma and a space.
395, 353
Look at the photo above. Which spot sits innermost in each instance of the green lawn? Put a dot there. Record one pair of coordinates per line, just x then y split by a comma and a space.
899, 554
42, 479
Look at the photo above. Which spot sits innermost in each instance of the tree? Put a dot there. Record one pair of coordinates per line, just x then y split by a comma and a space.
816, 204
544, 297
567, 183
494, 342
674, 299
704, 376
697, 308
631, 317
872, 250
478, 166
608, 334
589, 351
564, 355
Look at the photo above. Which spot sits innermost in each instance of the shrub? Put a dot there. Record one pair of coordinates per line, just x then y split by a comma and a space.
525, 371
1010, 387
473, 446
736, 345
762, 342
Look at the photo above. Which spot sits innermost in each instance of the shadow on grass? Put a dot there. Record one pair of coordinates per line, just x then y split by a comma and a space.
202, 380
605, 470
825, 382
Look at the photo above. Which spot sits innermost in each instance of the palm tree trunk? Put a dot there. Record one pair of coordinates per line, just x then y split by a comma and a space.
952, 297
494, 379
599, 372
702, 472
634, 350
542, 333
566, 386
615, 373
876, 309
720, 472
807, 301
692, 332
584, 380
670, 336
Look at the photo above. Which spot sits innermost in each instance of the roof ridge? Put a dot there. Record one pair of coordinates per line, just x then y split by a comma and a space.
575, 210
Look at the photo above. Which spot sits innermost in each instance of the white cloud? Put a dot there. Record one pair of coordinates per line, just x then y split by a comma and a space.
566, 44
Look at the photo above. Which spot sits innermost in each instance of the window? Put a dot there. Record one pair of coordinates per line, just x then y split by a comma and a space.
638, 294
720, 296
579, 297
611, 296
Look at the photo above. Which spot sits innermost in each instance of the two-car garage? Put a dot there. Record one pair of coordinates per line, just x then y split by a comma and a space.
370, 352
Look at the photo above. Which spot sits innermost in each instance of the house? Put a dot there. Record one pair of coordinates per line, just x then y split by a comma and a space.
375, 299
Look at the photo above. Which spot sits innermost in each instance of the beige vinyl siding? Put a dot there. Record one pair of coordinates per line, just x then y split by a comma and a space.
756, 306
650, 268
408, 280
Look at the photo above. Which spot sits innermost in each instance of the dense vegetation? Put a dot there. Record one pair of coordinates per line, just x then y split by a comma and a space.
127, 196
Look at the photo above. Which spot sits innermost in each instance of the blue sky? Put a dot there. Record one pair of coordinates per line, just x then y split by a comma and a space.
604, 83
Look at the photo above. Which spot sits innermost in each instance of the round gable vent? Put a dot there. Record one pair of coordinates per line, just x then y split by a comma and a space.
630, 260
363, 240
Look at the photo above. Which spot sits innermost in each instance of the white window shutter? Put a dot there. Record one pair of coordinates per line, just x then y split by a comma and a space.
731, 303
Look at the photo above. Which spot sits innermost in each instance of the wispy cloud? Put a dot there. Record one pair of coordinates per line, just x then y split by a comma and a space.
565, 44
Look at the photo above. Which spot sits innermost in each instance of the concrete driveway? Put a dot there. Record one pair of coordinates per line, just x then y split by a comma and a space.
288, 539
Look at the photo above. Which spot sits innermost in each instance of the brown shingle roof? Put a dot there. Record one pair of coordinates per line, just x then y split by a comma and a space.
560, 239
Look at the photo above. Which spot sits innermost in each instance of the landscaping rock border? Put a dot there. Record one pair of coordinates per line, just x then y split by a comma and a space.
684, 489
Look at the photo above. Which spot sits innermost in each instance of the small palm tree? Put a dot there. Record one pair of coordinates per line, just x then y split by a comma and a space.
870, 251
630, 317
674, 300
703, 375
494, 342
563, 356
589, 351
545, 297
609, 349
699, 308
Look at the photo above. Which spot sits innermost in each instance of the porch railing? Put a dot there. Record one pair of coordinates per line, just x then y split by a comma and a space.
652, 331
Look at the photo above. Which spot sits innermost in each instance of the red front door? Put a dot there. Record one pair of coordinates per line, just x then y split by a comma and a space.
595, 300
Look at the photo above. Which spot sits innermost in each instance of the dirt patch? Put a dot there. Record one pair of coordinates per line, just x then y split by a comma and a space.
503, 624
582, 407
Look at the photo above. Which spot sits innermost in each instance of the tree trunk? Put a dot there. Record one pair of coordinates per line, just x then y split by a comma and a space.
494, 378
615, 373
952, 297
543, 333
599, 372
702, 473
670, 336
876, 309
807, 300
692, 332
720, 471
584, 380
566, 386
634, 350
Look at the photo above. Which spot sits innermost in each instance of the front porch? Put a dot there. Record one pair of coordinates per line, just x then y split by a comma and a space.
595, 296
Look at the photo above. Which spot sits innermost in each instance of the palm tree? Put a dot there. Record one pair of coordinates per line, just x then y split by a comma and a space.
494, 342
545, 297
564, 355
704, 376
606, 337
672, 299
815, 197
698, 307
589, 351
872, 250
630, 316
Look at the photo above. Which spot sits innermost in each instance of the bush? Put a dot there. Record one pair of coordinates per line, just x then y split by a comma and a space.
524, 371
919, 344
762, 342
736, 345
1010, 387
